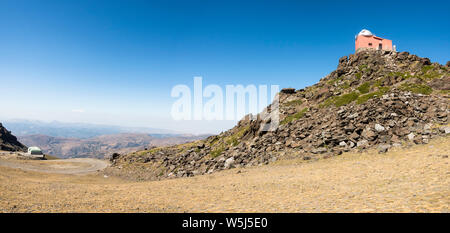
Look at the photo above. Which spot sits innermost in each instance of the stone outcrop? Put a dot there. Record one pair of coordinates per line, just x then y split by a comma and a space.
8, 142
374, 99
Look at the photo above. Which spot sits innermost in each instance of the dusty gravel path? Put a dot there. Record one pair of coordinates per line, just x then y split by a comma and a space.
60, 166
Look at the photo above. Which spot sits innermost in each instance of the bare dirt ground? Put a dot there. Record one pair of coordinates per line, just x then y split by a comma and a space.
65, 166
414, 179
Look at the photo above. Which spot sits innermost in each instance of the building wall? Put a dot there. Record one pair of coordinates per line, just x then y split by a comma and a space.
365, 41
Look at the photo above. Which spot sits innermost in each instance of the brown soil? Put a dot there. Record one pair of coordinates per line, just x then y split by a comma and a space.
414, 179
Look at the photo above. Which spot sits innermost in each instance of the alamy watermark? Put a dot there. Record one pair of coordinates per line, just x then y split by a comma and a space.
237, 101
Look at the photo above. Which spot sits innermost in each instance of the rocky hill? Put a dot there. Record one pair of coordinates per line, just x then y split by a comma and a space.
374, 99
8, 142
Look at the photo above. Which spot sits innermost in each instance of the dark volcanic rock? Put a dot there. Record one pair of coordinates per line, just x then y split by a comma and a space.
288, 90
8, 142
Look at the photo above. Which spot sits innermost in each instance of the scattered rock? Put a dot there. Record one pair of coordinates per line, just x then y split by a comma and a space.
229, 162
383, 148
114, 156
445, 129
362, 143
379, 128
319, 150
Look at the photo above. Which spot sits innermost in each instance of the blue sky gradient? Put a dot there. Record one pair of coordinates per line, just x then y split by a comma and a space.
117, 61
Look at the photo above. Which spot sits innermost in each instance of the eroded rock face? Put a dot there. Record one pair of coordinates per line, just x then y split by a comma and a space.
9, 142
372, 100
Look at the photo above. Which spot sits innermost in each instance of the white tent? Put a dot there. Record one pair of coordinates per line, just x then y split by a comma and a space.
34, 150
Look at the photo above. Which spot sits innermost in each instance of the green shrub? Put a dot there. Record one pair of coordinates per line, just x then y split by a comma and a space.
403, 75
345, 85
334, 81
445, 92
295, 116
233, 140
426, 68
216, 152
364, 88
345, 99
363, 98
294, 102
379, 82
362, 67
416, 88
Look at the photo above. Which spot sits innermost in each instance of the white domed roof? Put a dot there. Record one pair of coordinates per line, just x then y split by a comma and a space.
365, 32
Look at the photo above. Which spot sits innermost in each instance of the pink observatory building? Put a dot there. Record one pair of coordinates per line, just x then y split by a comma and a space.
366, 40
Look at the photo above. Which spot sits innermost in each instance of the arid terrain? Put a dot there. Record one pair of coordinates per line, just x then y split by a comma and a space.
414, 178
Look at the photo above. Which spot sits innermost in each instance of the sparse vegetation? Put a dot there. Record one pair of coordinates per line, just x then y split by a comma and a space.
295, 116
427, 68
217, 151
233, 140
363, 98
379, 82
363, 67
294, 102
430, 74
364, 88
416, 88
345, 85
334, 81
345, 99
444, 92
403, 75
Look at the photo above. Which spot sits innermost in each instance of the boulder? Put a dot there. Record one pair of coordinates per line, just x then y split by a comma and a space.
362, 143
229, 163
445, 129
379, 128
288, 90
114, 156
383, 148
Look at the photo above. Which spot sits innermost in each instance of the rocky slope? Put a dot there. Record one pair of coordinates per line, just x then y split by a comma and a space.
8, 142
373, 99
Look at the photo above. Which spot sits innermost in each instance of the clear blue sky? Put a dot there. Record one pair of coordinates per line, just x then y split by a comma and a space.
115, 62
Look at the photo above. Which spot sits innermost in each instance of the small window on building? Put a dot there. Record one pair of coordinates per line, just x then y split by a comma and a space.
370, 44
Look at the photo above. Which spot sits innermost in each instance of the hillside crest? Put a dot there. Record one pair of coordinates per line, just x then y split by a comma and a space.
378, 99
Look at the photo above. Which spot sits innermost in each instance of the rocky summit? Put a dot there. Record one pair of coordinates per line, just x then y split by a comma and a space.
374, 99
8, 142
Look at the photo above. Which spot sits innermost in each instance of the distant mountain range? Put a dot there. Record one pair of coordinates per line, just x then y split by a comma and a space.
101, 146
77, 130
66, 140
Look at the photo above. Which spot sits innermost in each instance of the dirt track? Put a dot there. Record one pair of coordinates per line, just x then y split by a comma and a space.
61, 166
415, 179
